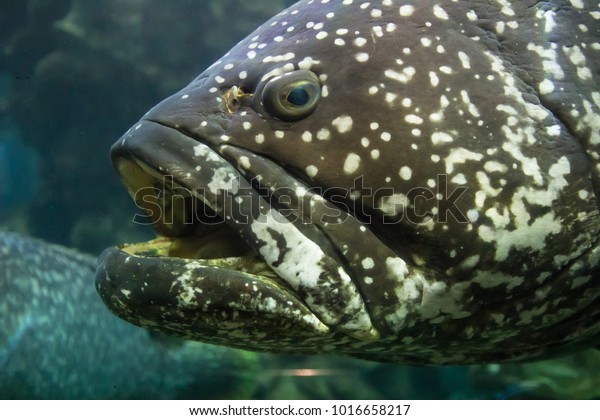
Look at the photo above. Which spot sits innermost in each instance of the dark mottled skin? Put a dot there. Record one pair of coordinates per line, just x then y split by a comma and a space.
469, 132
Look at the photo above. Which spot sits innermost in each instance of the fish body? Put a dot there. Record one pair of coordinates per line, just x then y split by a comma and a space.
414, 182
57, 341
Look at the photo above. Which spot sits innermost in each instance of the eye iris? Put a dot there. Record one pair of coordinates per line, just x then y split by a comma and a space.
291, 96
298, 96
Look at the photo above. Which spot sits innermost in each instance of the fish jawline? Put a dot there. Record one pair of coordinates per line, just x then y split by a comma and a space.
154, 155
203, 300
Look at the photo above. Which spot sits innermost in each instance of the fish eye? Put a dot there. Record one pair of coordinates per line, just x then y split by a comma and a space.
291, 96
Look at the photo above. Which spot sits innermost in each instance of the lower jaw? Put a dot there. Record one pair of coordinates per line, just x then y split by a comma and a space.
212, 299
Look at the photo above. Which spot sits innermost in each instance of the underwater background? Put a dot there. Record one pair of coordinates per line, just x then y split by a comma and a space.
74, 76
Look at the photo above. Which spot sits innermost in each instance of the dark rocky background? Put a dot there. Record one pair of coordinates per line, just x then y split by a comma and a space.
77, 74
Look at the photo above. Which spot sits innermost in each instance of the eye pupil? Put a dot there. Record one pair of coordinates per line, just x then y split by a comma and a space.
298, 96
291, 96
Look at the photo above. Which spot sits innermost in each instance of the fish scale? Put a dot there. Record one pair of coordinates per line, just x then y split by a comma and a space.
461, 136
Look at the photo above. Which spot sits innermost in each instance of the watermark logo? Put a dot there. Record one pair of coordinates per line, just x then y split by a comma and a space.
245, 201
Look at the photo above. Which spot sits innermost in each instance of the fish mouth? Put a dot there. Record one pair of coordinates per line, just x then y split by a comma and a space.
225, 261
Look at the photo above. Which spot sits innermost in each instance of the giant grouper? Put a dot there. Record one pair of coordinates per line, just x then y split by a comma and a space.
406, 181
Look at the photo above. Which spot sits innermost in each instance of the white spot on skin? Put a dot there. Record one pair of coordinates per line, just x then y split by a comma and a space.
385, 136
393, 204
413, 119
323, 134
550, 62
575, 55
464, 60
460, 155
307, 63
245, 162
405, 173
377, 31
492, 166
440, 138
550, 24
472, 16
362, 57
368, 263
472, 108
406, 10
307, 137
440, 13
546, 87
434, 79
279, 58
404, 77
360, 41
529, 166
311, 171
473, 215
459, 179
223, 179
554, 130
343, 124
578, 4
351, 163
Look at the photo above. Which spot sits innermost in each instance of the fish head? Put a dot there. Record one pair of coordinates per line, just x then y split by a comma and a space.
351, 178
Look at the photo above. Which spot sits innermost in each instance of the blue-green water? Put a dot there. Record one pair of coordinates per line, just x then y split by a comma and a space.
74, 75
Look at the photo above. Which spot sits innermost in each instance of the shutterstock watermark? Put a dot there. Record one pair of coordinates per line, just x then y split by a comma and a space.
245, 201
